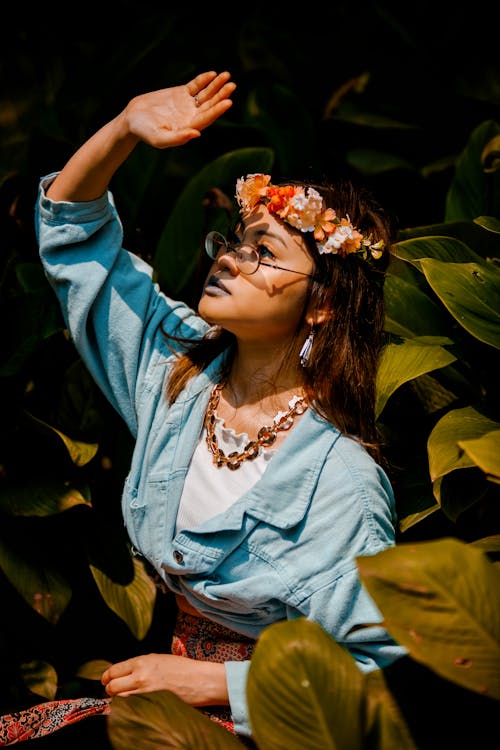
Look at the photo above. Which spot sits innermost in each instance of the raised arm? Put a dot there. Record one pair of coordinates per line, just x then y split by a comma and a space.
164, 118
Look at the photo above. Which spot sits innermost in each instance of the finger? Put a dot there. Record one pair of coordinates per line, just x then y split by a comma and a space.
119, 669
207, 116
120, 685
224, 93
197, 84
216, 90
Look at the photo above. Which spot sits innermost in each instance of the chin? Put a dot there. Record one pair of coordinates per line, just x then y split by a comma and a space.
204, 313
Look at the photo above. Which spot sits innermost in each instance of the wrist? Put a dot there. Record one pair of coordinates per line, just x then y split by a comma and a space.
213, 684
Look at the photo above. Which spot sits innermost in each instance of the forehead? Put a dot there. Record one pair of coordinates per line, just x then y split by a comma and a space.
260, 224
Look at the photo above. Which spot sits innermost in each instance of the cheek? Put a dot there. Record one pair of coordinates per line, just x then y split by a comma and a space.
279, 308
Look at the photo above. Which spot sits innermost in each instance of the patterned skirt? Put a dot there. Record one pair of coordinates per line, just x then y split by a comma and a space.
194, 637
199, 638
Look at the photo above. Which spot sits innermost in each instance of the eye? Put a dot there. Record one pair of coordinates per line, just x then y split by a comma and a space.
265, 252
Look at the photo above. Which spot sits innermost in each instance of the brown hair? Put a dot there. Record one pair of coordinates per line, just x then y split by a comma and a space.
340, 380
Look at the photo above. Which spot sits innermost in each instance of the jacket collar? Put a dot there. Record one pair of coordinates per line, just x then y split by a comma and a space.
282, 497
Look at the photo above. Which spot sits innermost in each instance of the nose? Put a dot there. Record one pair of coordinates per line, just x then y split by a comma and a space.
227, 259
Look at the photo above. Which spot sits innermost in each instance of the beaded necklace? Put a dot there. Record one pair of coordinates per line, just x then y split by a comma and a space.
265, 437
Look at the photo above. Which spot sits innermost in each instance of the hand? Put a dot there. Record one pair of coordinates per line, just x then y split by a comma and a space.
199, 683
173, 116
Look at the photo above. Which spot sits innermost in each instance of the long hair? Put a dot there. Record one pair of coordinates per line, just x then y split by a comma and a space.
340, 379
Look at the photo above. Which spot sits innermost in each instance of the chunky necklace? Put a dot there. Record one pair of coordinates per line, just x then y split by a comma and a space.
265, 437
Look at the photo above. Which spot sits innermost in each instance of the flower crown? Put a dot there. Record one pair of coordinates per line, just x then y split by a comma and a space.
304, 209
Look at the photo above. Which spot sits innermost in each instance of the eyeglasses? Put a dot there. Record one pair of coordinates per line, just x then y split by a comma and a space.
246, 257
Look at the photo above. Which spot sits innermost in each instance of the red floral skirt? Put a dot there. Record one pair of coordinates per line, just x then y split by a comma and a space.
202, 639
194, 637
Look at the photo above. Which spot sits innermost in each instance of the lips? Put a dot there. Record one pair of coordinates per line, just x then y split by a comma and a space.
215, 286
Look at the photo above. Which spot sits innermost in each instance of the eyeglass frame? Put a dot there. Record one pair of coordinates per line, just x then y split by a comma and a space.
233, 247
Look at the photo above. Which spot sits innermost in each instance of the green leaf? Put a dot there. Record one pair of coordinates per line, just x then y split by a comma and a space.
469, 194
40, 498
471, 293
441, 600
92, 670
488, 543
485, 453
43, 588
304, 690
161, 720
410, 311
40, 678
490, 223
179, 245
133, 603
79, 452
401, 363
386, 725
446, 249
445, 453
479, 234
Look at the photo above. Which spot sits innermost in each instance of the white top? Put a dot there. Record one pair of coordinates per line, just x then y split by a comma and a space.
209, 490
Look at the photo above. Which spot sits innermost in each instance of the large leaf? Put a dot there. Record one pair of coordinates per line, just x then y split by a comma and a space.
410, 311
443, 445
385, 724
161, 720
43, 588
40, 497
40, 678
133, 603
179, 245
485, 453
490, 223
441, 600
479, 234
92, 670
414, 497
468, 195
401, 363
304, 690
471, 293
446, 249
80, 453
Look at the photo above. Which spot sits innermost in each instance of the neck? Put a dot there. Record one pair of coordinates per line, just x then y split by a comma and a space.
257, 373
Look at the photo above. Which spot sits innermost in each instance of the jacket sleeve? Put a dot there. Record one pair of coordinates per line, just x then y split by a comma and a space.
352, 516
236, 676
115, 313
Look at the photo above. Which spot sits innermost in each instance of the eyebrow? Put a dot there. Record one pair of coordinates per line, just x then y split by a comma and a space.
258, 233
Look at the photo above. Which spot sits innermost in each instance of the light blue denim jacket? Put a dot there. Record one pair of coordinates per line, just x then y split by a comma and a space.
285, 549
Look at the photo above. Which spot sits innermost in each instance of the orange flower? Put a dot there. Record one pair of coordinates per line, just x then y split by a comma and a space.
279, 198
251, 190
324, 224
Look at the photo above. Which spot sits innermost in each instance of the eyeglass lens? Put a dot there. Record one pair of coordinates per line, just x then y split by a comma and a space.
246, 257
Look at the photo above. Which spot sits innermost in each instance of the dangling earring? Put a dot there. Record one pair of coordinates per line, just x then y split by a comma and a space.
305, 352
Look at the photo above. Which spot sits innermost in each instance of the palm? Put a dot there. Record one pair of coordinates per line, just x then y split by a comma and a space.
170, 117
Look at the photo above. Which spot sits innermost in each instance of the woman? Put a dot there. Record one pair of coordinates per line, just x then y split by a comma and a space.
255, 480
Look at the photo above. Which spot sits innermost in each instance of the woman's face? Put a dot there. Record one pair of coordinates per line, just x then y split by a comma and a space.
266, 306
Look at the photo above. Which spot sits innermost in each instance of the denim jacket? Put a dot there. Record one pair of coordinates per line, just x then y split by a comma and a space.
287, 547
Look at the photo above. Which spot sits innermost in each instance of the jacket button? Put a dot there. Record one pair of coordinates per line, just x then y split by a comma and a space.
178, 556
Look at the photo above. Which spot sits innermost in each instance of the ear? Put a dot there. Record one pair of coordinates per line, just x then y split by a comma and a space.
315, 316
